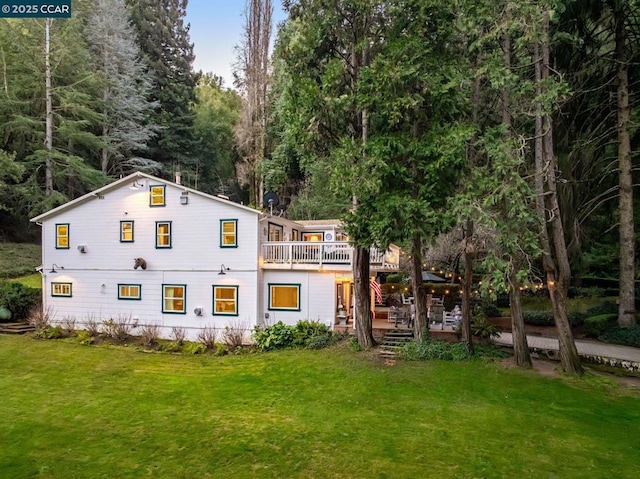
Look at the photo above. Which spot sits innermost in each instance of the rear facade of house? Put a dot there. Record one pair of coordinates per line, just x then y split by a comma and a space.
150, 251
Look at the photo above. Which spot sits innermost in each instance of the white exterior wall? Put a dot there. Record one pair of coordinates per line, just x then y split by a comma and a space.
317, 296
194, 259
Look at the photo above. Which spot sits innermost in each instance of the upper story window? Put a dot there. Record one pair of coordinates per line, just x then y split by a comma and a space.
163, 234
228, 233
295, 235
62, 236
157, 195
225, 300
126, 231
275, 232
174, 298
129, 291
61, 289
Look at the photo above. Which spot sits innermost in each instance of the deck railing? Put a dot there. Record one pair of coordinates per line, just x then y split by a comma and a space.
317, 253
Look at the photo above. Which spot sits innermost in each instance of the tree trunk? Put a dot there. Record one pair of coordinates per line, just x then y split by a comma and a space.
362, 292
626, 317
559, 287
467, 337
421, 322
520, 346
48, 185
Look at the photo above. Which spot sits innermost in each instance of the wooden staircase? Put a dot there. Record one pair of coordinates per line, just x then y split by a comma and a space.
16, 328
393, 341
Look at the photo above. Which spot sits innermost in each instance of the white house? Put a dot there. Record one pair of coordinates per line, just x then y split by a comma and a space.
157, 252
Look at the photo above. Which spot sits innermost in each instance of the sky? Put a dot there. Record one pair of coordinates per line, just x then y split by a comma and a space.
216, 29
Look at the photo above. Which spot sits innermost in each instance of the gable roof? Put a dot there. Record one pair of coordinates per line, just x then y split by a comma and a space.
129, 179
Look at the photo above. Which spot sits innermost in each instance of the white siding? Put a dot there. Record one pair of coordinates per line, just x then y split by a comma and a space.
194, 259
317, 296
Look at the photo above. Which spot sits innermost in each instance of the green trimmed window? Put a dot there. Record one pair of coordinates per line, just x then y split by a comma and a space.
225, 300
174, 298
126, 232
284, 297
62, 236
228, 233
157, 195
129, 291
61, 290
163, 234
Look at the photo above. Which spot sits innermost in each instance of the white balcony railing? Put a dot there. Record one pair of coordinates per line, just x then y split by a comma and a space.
317, 253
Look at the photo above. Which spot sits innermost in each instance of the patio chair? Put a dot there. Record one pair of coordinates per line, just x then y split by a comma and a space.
449, 318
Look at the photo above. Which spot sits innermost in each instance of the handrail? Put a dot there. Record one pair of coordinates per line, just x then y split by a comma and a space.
317, 252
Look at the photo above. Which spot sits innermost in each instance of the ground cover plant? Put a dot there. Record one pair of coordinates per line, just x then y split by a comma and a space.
19, 259
76, 411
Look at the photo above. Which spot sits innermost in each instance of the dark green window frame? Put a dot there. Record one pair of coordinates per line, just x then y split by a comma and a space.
270, 307
224, 286
169, 235
130, 298
152, 196
122, 239
67, 236
184, 299
235, 233
61, 294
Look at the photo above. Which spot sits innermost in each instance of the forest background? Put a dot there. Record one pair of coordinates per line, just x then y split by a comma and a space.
509, 126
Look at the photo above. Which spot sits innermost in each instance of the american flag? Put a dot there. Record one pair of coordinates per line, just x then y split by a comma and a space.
377, 290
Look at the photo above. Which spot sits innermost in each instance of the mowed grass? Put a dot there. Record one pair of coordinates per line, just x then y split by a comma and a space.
73, 411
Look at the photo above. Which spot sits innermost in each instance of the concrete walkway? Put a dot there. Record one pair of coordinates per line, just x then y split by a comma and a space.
610, 353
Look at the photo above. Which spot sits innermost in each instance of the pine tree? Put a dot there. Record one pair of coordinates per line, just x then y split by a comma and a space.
125, 88
164, 40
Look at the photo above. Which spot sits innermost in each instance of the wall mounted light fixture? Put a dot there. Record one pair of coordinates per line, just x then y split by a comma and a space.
53, 268
223, 268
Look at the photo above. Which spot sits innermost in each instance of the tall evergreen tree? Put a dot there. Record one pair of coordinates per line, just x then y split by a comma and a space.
125, 88
164, 40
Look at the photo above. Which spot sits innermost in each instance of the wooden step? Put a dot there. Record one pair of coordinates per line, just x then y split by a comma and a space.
16, 328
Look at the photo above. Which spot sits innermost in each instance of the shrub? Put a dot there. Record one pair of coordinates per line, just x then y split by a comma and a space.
40, 319
208, 337
589, 292
179, 335
118, 329
480, 327
576, 318
606, 307
491, 310
19, 299
93, 325
538, 318
54, 332
276, 336
597, 325
624, 336
233, 335
84, 337
149, 334
69, 325
304, 330
434, 349
194, 348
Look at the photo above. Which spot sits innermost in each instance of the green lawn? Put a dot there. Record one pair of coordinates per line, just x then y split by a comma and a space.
72, 411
